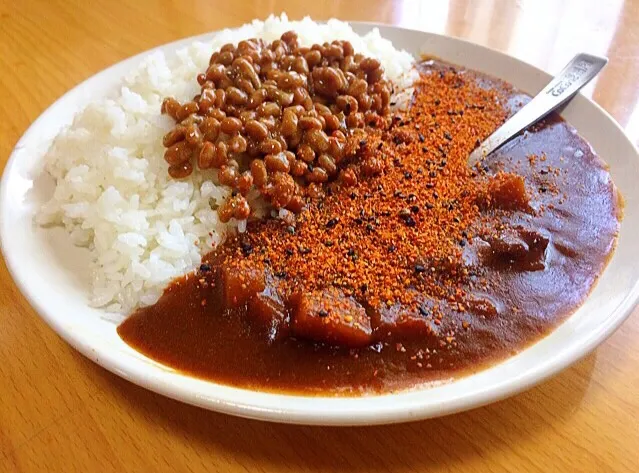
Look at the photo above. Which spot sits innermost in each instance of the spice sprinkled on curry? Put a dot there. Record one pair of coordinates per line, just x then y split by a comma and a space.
387, 261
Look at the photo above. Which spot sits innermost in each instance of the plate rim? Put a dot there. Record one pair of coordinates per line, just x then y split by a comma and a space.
351, 414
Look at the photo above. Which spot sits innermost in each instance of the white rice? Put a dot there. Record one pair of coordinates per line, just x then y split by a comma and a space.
113, 194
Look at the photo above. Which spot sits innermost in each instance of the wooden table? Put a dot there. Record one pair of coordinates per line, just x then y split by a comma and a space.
59, 412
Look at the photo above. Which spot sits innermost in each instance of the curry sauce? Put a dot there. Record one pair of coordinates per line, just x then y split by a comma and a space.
528, 234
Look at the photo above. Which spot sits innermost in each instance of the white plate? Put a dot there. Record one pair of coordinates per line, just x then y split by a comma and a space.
52, 274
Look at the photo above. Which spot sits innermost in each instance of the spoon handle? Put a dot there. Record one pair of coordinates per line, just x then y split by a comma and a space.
563, 87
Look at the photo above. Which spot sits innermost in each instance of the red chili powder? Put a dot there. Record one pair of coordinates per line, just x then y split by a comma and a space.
404, 227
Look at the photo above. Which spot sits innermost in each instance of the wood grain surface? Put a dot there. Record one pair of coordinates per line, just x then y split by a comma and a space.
59, 412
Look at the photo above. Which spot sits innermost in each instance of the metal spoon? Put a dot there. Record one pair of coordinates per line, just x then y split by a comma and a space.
562, 88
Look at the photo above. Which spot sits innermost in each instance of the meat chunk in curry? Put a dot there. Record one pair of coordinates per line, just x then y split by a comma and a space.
332, 317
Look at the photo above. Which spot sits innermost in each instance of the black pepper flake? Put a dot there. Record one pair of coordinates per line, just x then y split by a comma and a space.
432, 174
408, 175
424, 149
329, 243
369, 227
332, 222
437, 102
397, 163
443, 163
322, 313
421, 138
423, 311
411, 198
247, 248
304, 251
435, 195
362, 142
291, 230
419, 269
363, 287
359, 221
281, 274
267, 261
414, 209
379, 146
310, 167
410, 222
234, 193
399, 194
288, 251
205, 268
397, 140
350, 252
542, 189
477, 142
391, 248
448, 136
430, 185
456, 220
543, 171
353, 196
462, 243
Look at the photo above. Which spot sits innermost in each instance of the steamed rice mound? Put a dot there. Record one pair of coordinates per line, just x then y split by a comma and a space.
113, 194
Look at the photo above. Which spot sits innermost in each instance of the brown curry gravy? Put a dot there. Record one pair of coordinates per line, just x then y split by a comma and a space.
580, 220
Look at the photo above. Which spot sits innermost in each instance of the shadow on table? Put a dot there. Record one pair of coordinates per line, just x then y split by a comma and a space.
404, 447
